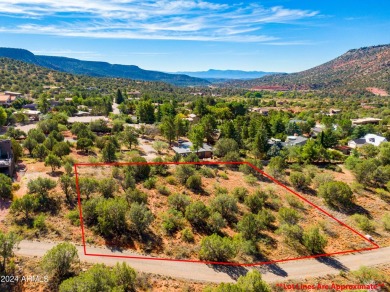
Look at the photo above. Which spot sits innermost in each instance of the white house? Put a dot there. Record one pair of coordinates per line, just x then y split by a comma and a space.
372, 139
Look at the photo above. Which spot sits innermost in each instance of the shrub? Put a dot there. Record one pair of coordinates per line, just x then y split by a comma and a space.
277, 166
196, 213
250, 179
232, 157
187, 235
171, 180
179, 201
107, 187
220, 190
140, 217
223, 175
163, 190
363, 222
140, 171
136, 196
369, 274
294, 202
265, 218
207, 172
74, 217
150, 183
5, 186
172, 221
314, 241
217, 248
288, 216
226, 205
292, 233
194, 182
240, 193
60, 259
386, 222
336, 194
249, 227
111, 217
385, 196
256, 201
216, 222
39, 222
299, 180
41, 185
183, 172
322, 178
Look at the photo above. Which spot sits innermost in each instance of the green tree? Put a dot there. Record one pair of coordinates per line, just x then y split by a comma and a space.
336, 194
130, 137
41, 186
30, 144
216, 248
53, 161
119, 97
26, 205
61, 149
84, 144
108, 153
140, 217
196, 136
5, 186
67, 185
314, 241
3, 116
16, 149
209, 124
88, 186
168, 128
43, 104
145, 112
40, 152
140, 169
224, 146
8, 241
60, 260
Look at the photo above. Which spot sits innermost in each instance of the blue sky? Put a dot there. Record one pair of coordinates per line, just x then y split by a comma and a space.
194, 35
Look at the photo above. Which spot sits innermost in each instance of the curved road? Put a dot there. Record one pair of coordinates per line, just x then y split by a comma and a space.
200, 272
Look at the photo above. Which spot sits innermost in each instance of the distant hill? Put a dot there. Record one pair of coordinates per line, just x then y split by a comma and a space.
99, 69
358, 69
213, 74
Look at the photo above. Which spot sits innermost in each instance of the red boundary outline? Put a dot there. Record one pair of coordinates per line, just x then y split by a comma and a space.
375, 246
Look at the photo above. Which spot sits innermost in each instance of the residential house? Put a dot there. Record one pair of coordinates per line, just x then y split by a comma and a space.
333, 112
86, 120
295, 141
365, 121
7, 163
372, 139
185, 148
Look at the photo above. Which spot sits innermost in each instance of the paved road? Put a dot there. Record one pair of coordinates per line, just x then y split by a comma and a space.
200, 272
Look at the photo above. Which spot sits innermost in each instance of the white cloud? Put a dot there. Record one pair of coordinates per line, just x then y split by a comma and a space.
151, 19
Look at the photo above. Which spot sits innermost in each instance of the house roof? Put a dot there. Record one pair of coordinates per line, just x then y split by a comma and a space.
4, 97
359, 141
185, 148
86, 119
294, 140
